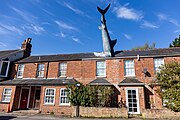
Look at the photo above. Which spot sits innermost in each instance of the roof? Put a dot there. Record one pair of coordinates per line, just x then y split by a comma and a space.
131, 81
100, 81
118, 54
5, 53
39, 82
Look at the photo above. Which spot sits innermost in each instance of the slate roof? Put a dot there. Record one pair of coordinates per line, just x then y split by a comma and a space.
100, 81
38, 82
5, 53
118, 54
131, 81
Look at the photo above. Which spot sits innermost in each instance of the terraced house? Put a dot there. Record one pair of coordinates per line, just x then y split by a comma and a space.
39, 82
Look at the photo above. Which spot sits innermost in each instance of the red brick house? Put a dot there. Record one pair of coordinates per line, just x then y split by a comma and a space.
7, 59
39, 82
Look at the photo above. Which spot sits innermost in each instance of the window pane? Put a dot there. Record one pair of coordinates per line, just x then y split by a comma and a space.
157, 63
62, 69
40, 71
4, 68
101, 68
129, 68
49, 96
7, 95
64, 96
20, 71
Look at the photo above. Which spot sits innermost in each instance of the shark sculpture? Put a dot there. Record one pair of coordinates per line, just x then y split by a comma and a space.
108, 44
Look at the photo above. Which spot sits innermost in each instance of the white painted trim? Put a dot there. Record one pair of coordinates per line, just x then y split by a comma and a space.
54, 96
137, 98
29, 97
63, 104
7, 70
20, 96
3, 95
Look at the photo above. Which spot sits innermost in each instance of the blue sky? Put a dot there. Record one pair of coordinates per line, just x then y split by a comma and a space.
71, 26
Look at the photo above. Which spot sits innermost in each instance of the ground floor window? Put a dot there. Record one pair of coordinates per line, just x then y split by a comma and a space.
64, 100
6, 95
49, 96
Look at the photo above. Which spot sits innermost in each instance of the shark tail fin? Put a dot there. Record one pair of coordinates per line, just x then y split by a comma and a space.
103, 11
113, 42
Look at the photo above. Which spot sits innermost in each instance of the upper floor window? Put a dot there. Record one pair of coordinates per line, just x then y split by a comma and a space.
4, 67
20, 71
62, 69
157, 63
40, 70
64, 100
101, 68
6, 95
49, 97
129, 68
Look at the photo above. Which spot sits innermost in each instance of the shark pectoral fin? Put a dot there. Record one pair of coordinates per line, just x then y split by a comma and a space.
113, 42
100, 27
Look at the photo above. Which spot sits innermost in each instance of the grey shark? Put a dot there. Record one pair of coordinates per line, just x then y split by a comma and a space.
108, 44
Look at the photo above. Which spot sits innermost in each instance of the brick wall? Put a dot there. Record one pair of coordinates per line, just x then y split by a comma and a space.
7, 107
101, 112
56, 108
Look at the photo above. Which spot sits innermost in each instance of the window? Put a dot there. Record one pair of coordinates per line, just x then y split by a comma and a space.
129, 68
6, 95
4, 67
101, 68
157, 63
40, 70
62, 69
49, 96
64, 100
20, 71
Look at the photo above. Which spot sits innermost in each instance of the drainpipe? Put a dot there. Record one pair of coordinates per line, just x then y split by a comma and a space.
47, 69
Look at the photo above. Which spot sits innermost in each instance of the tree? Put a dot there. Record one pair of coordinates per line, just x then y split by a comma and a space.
146, 46
176, 42
92, 96
169, 80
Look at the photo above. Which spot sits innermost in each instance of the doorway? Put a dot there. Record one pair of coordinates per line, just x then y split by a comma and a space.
132, 100
24, 98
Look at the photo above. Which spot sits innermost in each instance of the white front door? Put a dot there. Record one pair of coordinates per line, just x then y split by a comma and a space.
132, 100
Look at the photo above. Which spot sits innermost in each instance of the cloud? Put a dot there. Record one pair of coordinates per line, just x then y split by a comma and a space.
35, 29
25, 15
176, 31
2, 45
128, 13
65, 26
76, 40
77, 11
5, 29
147, 24
127, 36
164, 17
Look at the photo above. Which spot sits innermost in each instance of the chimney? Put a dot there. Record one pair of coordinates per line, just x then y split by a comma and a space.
26, 46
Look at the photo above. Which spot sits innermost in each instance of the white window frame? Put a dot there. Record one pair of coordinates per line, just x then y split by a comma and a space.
7, 95
129, 67
62, 69
46, 103
65, 96
39, 74
20, 70
157, 63
1, 65
101, 68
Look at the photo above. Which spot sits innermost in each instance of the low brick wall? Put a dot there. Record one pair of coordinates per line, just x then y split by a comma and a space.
159, 113
102, 112
4, 107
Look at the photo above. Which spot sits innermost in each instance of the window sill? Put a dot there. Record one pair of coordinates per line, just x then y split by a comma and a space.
130, 76
63, 76
101, 76
3, 102
49, 104
64, 105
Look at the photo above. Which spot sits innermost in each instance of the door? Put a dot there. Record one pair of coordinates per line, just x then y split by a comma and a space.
132, 100
37, 99
24, 98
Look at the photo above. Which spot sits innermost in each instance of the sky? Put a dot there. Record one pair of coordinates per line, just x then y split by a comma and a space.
71, 26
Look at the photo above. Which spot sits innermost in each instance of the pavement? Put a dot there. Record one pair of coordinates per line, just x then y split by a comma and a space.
22, 116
